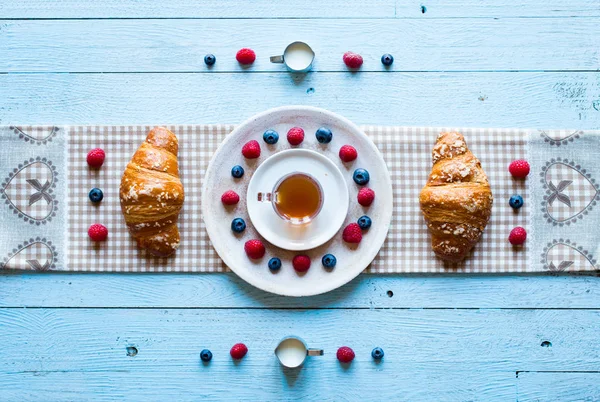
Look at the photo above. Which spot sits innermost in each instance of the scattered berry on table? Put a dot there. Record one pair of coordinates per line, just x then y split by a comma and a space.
95, 158
295, 136
230, 197
274, 264
365, 196
238, 351
519, 168
98, 232
364, 222
361, 176
301, 263
352, 233
377, 353
251, 149
387, 59
324, 135
245, 56
516, 201
353, 60
237, 171
206, 355
348, 153
96, 195
329, 261
345, 354
517, 236
210, 59
271, 137
238, 225
254, 249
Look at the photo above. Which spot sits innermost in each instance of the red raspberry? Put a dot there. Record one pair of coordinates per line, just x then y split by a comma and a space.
238, 351
345, 354
519, 169
348, 153
230, 197
245, 56
254, 249
301, 263
352, 233
353, 60
251, 149
517, 236
295, 136
98, 232
95, 158
365, 196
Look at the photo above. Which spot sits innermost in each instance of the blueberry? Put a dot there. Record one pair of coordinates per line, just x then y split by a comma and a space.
237, 171
324, 135
206, 355
271, 137
274, 264
377, 353
516, 201
96, 195
364, 222
361, 176
210, 59
238, 225
329, 260
387, 59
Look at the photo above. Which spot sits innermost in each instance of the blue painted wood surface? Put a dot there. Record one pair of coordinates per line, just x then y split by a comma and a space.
447, 337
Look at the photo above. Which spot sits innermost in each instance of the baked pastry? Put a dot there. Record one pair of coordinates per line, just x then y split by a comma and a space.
151, 193
457, 199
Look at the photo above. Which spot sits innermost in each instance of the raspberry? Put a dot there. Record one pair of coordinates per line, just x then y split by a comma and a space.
98, 232
301, 263
245, 56
95, 158
251, 149
365, 196
295, 136
345, 354
353, 60
519, 169
238, 351
517, 236
254, 249
352, 233
348, 153
230, 197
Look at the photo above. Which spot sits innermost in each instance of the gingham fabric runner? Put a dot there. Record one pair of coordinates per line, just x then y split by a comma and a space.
560, 195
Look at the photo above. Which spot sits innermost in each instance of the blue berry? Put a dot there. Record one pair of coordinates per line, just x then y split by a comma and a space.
237, 171
377, 353
364, 222
329, 260
271, 137
274, 264
516, 201
210, 59
361, 176
324, 135
387, 59
96, 195
206, 355
238, 225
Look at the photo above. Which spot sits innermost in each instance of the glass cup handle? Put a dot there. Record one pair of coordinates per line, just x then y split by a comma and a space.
264, 197
314, 352
276, 59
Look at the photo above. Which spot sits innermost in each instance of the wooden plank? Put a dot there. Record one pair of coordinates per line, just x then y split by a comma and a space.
228, 291
418, 45
526, 100
558, 386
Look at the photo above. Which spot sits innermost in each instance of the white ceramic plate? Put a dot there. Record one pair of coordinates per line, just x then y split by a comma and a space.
351, 259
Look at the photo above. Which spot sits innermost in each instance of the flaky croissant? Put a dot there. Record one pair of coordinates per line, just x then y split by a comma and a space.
457, 199
151, 193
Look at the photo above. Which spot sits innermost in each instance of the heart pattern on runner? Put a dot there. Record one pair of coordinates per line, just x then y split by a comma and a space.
564, 255
560, 137
35, 254
36, 135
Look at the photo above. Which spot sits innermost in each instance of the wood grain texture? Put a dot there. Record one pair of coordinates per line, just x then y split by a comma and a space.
511, 44
558, 386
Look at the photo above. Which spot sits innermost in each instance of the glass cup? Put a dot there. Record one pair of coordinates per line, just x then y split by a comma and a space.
292, 351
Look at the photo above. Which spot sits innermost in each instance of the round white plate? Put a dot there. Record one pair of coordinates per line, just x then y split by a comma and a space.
335, 200
351, 259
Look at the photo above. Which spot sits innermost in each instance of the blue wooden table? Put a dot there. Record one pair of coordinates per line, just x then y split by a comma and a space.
75, 337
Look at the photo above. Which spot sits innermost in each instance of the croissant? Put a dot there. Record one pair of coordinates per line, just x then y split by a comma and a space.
151, 193
457, 199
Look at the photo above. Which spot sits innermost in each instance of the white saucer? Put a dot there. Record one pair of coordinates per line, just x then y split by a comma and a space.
324, 226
